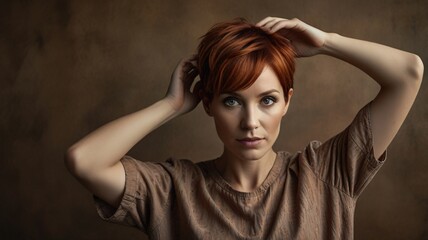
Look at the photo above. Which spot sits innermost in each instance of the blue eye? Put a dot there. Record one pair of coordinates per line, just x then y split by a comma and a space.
230, 102
268, 100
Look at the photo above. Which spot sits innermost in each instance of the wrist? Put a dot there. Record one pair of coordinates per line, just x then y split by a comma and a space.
328, 46
171, 107
161, 112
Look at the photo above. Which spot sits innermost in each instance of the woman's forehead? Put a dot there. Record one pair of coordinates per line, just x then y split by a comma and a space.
266, 83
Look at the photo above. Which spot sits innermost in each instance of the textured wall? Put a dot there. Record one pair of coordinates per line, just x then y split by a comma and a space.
67, 67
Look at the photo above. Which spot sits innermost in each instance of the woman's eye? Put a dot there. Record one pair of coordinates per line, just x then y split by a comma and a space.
268, 101
230, 102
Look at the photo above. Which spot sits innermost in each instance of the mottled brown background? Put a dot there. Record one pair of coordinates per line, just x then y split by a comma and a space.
67, 67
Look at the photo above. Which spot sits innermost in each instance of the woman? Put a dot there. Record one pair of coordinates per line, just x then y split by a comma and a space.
250, 191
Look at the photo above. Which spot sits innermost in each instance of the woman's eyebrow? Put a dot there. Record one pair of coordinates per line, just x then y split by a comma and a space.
260, 95
268, 92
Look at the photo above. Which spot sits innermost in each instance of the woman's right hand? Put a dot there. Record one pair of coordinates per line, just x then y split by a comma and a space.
305, 39
179, 94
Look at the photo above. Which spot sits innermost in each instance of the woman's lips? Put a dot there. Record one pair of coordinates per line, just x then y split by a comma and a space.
250, 142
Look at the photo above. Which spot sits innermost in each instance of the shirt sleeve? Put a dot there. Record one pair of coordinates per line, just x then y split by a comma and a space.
346, 161
147, 193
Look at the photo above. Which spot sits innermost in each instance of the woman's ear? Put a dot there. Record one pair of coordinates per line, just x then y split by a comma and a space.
290, 94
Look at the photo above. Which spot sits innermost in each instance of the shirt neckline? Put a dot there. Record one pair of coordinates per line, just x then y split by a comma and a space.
271, 177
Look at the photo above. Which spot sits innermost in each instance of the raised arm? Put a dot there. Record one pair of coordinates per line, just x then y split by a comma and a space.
95, 159
398, 73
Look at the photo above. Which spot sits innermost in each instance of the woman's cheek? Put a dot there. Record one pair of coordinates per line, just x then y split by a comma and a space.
273, 121
225, 125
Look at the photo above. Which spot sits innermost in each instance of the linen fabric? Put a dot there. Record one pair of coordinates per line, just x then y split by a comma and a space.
310, 194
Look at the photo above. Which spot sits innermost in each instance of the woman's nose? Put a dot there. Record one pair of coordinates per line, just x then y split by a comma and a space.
250, 119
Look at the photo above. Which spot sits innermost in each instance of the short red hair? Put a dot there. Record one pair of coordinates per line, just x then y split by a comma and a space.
232, 55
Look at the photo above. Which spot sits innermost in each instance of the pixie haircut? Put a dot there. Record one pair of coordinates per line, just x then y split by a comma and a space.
232, 55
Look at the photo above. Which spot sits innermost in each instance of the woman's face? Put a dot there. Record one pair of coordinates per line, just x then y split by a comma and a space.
248, 121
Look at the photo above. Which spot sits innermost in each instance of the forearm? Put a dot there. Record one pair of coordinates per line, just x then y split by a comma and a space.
107, 145
389, 67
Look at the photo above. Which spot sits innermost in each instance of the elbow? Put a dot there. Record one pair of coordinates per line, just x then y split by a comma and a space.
416, 68
72, 162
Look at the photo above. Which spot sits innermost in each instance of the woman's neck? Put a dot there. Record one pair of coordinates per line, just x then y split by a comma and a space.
245, 175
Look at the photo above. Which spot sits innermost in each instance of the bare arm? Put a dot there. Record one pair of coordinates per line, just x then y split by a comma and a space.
398, 73
94, 160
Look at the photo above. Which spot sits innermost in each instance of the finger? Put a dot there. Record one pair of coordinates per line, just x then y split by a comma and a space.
190, 77
194, 58
192, 73
180, 64
269, 23
267, 20
264, 21
289, 24
272, 21
186, 60
188, 67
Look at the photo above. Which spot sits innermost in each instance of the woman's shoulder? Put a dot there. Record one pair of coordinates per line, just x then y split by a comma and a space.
308, 150
306, 155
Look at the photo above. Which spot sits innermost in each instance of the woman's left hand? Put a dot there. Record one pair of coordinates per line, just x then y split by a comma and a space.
305, 39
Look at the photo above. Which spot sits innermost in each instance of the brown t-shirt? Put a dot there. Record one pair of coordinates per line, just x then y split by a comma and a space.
310, 194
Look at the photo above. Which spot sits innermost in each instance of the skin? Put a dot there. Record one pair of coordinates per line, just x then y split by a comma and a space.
95, 159
248, 123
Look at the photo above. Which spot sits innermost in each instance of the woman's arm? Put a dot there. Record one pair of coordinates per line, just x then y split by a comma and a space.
398, 73
94, 160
